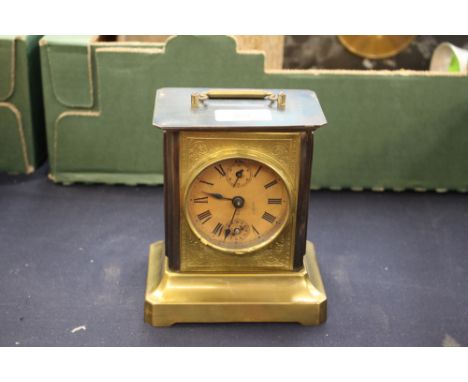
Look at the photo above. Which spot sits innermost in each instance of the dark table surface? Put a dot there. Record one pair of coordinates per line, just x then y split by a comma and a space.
395, 268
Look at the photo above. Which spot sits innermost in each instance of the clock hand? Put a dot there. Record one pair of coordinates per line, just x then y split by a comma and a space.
227, 231
238, 176
216, 195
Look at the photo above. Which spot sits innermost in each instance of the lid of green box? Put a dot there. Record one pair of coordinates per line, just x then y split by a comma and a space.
237, 109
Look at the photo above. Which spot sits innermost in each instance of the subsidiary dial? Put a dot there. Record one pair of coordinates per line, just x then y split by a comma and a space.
239, 230
239, 173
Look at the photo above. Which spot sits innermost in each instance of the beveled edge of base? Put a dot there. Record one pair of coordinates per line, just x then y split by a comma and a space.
162, 313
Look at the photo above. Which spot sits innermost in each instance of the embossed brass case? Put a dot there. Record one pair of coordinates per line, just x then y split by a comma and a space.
189, 281
279, 151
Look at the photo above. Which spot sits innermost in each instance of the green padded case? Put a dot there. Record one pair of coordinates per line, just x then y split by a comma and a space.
22, 133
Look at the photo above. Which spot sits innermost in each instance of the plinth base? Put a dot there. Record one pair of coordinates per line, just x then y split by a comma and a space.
176, 297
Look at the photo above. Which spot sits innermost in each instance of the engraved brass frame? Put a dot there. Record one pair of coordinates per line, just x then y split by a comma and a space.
247, 154
280, 151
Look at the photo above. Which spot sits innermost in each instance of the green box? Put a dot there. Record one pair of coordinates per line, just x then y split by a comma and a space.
386, 129
22, 133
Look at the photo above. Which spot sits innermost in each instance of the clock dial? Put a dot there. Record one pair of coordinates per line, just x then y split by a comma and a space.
237, 204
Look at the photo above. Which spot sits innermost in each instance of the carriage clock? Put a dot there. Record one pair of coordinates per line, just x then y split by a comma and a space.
237, 167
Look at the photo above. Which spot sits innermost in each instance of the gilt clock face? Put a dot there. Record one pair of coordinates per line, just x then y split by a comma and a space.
237, 205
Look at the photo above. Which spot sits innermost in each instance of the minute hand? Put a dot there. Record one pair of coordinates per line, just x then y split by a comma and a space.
227, 231
217, 196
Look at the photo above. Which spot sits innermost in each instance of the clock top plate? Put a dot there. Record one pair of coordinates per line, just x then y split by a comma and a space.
173, 111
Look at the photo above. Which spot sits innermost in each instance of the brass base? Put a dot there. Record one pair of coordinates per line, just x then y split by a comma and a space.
176, 297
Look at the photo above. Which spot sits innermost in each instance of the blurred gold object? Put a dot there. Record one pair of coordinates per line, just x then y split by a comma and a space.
377, 46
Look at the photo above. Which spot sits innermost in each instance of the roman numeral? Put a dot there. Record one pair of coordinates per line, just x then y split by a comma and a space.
271, 184
208, 183
204, 216
255, 229
218, 229
220, 169
203, 199
269, 217
275, 201
258, 170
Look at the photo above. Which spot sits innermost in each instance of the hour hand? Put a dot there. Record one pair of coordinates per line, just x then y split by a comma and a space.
217, 195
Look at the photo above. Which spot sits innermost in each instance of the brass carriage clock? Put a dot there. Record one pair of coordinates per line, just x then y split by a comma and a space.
237, 175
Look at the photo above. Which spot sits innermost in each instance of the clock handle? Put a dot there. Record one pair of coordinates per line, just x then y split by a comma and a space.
279, 98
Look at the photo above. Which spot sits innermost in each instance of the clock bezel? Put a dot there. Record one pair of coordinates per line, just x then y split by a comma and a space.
259, 157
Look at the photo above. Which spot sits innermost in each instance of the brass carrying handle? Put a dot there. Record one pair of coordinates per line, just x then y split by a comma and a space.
198, 98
